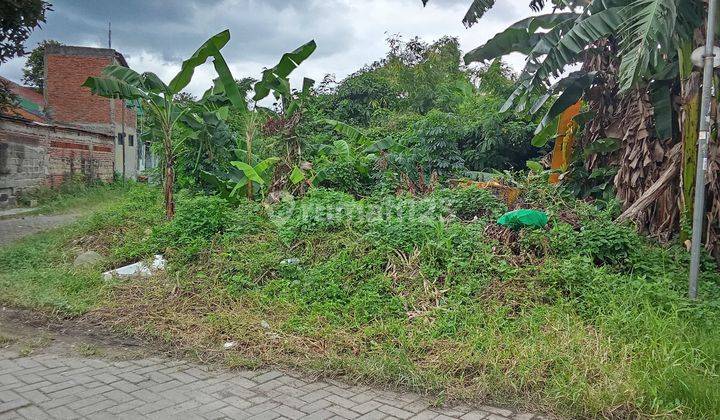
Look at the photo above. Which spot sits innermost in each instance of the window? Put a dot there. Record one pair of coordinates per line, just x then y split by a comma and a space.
132, 140
120, 139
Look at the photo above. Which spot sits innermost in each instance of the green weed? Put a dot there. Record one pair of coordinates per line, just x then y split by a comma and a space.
582, 319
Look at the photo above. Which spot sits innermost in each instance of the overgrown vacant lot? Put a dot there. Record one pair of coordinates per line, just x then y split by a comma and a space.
584, 318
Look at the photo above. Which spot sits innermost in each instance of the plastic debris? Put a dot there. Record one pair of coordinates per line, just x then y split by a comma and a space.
230, 345
521, 218
138, 269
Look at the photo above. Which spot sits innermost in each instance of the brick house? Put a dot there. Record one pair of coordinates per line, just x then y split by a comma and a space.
66, 131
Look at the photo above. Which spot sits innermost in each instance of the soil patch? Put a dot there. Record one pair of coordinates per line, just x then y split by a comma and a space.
29, 332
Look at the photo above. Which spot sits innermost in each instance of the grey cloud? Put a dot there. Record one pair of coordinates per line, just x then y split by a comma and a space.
156, 34
173, 29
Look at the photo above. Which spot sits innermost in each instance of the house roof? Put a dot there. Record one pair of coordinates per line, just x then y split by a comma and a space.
30, 101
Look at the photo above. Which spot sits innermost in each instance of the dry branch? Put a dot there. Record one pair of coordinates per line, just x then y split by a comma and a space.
657, 188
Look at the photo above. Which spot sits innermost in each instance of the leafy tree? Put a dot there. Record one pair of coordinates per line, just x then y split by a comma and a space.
18, 18
34, 70
414, 76
425, 73
360, 95
245, 85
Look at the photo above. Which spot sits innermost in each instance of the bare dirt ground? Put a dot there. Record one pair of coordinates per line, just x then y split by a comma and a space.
29, 332
14, 228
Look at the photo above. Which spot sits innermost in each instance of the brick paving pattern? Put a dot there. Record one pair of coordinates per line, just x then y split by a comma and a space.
52, 386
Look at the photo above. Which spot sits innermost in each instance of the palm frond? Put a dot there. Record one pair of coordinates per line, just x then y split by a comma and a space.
521, 37
647, 32
476, 11
567, 46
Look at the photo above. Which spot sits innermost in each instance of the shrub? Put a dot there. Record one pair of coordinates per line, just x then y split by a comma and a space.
607, 242
247, 218
403, 234
197, 219
470, 202
560, 240
341, 175
200, 217
321, 209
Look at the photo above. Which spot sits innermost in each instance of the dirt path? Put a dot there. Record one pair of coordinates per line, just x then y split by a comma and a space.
52, 368
14, 228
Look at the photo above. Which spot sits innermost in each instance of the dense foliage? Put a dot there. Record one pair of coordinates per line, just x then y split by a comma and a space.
17, 20
406, 122
351, 228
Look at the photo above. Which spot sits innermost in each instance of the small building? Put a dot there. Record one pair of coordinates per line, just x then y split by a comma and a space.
65, 131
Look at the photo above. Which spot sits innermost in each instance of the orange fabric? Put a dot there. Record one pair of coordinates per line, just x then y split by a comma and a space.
564, 141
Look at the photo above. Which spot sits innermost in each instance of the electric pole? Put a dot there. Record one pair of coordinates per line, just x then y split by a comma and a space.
702, 161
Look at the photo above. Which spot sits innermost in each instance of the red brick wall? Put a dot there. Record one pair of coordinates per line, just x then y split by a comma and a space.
79, 154
69, 102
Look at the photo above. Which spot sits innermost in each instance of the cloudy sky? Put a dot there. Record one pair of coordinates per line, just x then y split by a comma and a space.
156, 35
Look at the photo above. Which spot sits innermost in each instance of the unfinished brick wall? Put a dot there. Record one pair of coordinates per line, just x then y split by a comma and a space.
32, 155
87, 155
69, 103
66, 69
23, 162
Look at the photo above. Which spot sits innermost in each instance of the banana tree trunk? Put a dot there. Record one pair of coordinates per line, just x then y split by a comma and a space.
690, 85
689, 129
249, 133
169, 176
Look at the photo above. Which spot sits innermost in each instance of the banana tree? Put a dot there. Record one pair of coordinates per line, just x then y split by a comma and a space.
650, 34
159, 98
209, 144
259, 175
640, 49
243, 178
275, 81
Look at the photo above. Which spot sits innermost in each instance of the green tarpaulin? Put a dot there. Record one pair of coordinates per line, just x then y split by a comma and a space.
517, 219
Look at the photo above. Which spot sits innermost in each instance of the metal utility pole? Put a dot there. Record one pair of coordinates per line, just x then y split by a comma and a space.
703, 136
124, 137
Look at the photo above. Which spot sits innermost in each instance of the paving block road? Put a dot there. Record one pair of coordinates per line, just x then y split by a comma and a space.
67, 387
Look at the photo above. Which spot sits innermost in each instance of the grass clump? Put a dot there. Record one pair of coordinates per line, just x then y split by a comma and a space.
76, 194
584, 318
